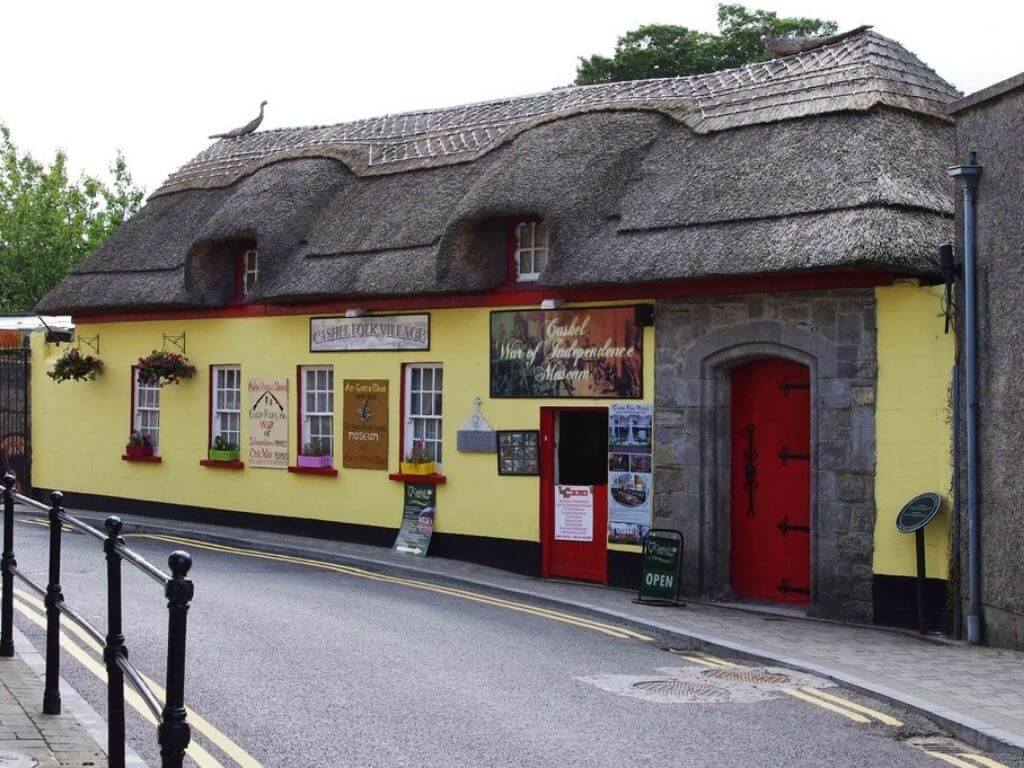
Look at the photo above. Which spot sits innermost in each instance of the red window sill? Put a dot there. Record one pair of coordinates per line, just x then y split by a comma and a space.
222, 464
149, 459
327, 471
423, 479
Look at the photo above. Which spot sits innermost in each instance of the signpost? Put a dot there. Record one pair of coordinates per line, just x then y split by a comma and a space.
914, 516
662, 567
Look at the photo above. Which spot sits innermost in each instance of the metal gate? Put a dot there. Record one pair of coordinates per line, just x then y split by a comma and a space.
15, 450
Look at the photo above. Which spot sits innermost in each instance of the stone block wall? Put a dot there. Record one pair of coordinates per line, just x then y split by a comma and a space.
698, 342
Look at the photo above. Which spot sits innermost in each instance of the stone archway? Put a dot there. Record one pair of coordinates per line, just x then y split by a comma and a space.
693, 429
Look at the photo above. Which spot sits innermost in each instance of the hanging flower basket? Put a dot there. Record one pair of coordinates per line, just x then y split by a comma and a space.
162, 368
74, 366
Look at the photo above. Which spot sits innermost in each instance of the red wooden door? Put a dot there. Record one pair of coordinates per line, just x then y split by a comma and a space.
770, 484
570, 438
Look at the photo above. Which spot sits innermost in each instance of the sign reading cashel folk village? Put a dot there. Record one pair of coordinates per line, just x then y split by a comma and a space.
586, 352
370, 333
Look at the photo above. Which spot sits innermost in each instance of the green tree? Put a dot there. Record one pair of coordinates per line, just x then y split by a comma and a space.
49, 223
666, 50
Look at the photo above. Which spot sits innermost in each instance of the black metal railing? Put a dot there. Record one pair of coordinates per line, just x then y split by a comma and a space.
173, 731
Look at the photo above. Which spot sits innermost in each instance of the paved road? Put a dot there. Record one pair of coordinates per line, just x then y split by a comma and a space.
296, 665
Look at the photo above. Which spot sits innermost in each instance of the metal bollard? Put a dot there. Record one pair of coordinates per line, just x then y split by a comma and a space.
54, 598
7, 566
174, 733
115, 648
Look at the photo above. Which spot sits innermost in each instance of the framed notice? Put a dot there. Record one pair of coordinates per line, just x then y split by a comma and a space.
574, 512
372, 333
630, 472
364, 438
587, 352
518, 452
268, 423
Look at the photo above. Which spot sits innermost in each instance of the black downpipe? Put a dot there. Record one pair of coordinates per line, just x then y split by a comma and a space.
969, 175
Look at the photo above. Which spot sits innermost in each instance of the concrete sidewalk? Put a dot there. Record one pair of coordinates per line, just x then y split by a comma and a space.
976, 693
29, 738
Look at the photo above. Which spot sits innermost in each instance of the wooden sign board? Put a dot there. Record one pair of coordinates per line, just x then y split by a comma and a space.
268, 423
365, 424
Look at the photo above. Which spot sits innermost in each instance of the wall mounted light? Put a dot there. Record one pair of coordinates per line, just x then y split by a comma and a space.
552, 303
355, 312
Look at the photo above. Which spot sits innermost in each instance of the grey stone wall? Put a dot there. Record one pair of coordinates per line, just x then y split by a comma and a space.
698, 343
993, 129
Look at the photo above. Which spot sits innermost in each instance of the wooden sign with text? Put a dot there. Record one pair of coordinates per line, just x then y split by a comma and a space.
268, 423
365, 424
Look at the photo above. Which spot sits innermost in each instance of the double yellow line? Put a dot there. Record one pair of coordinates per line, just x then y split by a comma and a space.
964, 759
30, 606
611, 630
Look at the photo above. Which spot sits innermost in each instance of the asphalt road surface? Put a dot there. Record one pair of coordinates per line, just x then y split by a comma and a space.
294, 664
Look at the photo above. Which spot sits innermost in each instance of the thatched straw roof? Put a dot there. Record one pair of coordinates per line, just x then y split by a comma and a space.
830, 159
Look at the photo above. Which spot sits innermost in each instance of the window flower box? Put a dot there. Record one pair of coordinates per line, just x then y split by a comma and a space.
418, 467
223, 450
138, 451
139, 446
315, 462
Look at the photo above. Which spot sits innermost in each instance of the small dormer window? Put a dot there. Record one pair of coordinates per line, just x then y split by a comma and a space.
531, 249
250, 270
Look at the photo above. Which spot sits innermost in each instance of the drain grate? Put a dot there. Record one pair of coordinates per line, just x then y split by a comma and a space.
747, 676
681, 690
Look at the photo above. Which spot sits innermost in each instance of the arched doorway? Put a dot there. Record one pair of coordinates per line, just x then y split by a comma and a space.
770, 489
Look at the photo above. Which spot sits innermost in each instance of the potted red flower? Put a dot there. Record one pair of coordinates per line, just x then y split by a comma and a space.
316, 454
139, 446
162, 368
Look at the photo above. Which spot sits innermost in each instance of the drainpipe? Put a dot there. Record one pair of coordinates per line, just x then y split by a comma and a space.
969, 175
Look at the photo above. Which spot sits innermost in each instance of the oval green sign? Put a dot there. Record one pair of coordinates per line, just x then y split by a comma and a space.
918, 512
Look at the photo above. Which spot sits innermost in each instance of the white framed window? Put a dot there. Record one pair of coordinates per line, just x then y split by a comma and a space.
250, 270
424, 383
318, 406
146, 418
226, 405
531, 249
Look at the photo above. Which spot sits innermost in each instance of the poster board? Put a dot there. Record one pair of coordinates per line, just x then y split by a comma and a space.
574, 512
630, 472
364, 423
268, 423
417, 519
518, 452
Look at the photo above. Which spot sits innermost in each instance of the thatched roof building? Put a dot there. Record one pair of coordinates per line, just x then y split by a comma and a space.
830, 159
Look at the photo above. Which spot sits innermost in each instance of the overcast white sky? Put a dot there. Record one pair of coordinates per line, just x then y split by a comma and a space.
155, 79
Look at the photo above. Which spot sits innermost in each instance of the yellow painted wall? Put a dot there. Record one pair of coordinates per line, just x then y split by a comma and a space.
914, 428
79, 429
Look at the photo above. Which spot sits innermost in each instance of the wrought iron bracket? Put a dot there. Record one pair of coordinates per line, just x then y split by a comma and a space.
93, 342
175, 341
785, 527
785, 386
786, 456
785, 589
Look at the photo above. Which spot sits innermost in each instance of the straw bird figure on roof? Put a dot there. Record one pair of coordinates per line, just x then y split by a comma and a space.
788, 46
246, 129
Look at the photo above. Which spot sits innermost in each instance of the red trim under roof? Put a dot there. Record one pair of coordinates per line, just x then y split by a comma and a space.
515, 294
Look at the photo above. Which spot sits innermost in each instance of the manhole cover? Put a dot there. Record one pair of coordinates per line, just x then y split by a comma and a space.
681, 690
748, 676
10, 759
